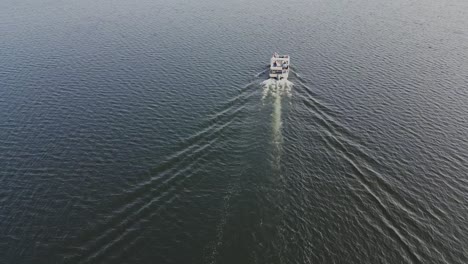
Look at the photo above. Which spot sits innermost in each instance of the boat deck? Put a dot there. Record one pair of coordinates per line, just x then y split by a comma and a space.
279, 66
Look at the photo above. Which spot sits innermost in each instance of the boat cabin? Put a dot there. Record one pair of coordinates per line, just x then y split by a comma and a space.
279, 66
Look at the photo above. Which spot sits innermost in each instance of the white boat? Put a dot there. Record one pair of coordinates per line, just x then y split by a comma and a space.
279, 66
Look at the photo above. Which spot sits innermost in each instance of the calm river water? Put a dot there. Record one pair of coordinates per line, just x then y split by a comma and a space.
143, 132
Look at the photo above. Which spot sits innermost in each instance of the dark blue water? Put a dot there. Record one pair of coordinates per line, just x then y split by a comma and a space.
141, 132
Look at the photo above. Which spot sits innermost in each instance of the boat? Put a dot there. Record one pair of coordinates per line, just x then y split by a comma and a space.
279, 66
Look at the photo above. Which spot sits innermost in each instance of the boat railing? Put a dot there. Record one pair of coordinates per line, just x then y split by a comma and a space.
278, 71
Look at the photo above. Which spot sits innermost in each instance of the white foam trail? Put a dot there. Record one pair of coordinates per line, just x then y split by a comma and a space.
276, 121
276, 89
272, 87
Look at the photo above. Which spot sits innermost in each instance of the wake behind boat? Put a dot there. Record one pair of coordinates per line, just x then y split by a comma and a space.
279, 66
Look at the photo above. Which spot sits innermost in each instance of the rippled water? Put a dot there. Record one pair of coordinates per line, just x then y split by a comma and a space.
143, 132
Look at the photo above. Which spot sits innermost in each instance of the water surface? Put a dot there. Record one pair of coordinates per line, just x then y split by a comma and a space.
143, 132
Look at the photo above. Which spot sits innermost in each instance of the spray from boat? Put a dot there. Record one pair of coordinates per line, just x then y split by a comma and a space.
276, 90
